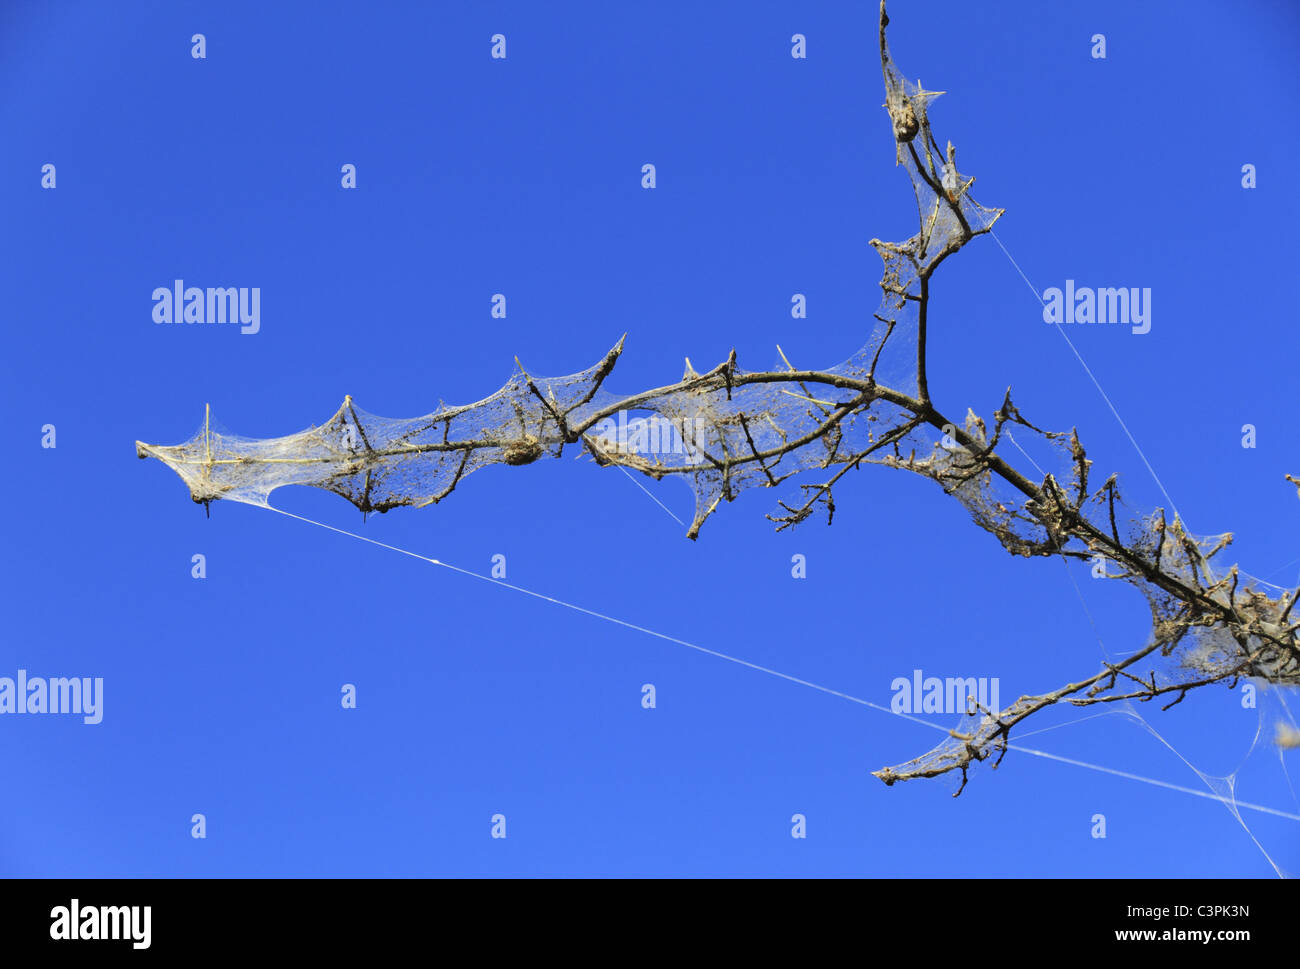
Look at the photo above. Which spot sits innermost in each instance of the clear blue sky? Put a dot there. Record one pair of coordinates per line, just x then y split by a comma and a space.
478, 176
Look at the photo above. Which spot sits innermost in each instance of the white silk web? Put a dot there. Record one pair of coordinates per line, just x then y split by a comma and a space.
732, 429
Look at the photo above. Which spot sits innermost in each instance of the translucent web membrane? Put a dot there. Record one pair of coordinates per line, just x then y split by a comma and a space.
730, 429
1191, 644
726, 430
380, 463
